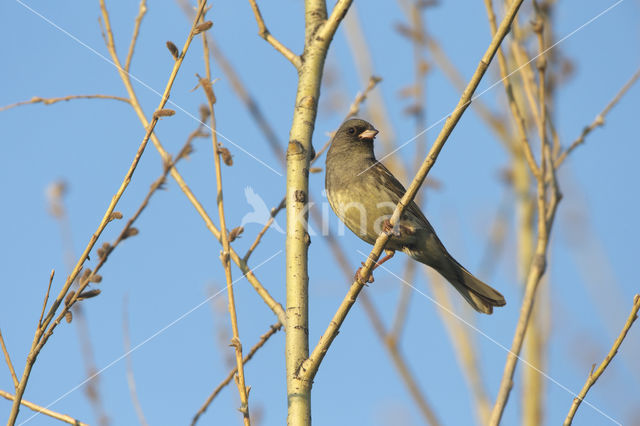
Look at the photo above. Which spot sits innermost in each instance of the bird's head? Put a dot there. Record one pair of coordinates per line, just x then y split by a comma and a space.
356, 129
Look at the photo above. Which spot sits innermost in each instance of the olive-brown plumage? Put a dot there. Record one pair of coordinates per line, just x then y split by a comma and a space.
363, 193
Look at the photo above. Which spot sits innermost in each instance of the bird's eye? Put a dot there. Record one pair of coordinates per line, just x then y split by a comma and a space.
351, 130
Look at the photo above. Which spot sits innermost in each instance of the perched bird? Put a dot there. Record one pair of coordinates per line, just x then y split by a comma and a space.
363, 193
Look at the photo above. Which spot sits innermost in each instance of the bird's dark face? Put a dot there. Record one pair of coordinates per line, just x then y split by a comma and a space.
356, 130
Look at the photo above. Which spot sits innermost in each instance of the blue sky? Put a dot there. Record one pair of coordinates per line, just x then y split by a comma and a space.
173, 266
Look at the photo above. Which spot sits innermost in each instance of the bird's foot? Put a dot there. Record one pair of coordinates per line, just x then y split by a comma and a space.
388, 228
389, 254
359, 277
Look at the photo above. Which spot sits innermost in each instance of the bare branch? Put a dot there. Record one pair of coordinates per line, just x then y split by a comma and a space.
224, 237
265, 34
329, 27
594, 375
46, 297
49, 101
142, 10
263, 339
7, 359
45, 411
599, 120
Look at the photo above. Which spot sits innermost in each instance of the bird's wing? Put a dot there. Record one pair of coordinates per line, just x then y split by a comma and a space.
388, 181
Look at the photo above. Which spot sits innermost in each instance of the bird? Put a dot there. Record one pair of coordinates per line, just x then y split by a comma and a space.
363, 193
260, 213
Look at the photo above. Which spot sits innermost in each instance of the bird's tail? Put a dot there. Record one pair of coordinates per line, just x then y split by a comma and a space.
480, 296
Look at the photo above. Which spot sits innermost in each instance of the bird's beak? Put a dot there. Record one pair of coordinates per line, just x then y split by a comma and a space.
368, 134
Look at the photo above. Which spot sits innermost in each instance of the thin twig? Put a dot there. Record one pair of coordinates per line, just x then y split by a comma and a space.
595, 373
45, 411
224, 236
311, 364
142, 10
513, 105
41, 336
128, 230
272, 216
599, 120
493, 120
131, 381
7, 358
49, 101
263, 339
525, 69
46, 297
265, 34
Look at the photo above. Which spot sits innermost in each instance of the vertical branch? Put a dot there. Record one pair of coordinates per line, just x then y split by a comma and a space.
546, 208
319, 31
532, 381
224, 237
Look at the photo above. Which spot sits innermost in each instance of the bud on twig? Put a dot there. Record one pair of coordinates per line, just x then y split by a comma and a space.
207, 86
130, 232
104, 250
204, 113
88, 294
67, 299
205, 26
235, 233
114, 216
163, 113
174, 50
227, 158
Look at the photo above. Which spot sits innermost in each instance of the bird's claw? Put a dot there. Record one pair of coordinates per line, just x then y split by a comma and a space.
359, 278
389, 229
